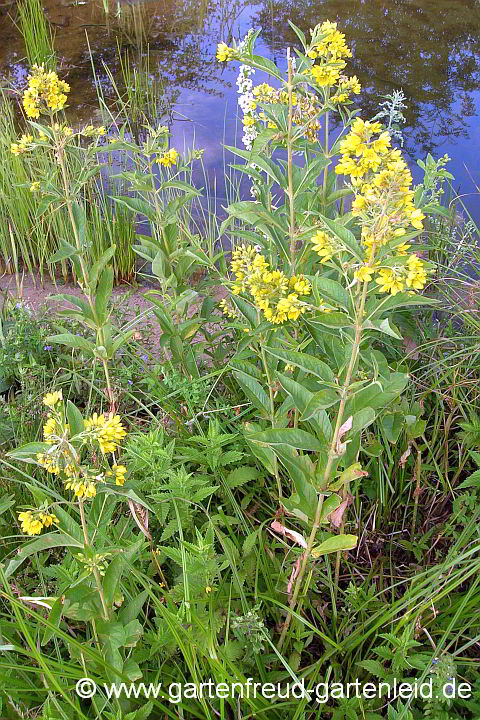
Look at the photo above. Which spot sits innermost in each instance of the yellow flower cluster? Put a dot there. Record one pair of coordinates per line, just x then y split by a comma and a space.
49, 462
346, 86
276, 295
35, 186
329, 48
51, 399
82, 488
225, 53
169, 158
119, 471
49, 429
379, 174
45, 92
362, 152
324, 245
22, 146
395, 280
91, 131
332, 44
227, 309
107, 429
32, 523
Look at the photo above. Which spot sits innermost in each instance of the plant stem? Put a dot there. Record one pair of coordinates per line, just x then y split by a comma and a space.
272, 409
96, 574
86, 287
418, 472
291, 224
325, 149
332, 455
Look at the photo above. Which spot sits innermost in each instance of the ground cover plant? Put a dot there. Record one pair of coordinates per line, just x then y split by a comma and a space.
284, 488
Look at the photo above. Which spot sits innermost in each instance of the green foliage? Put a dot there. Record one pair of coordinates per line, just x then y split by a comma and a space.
295, 498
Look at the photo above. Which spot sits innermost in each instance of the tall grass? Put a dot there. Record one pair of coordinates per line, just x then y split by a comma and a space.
37, 33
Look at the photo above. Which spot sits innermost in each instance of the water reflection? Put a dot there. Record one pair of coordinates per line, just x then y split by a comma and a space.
430, 48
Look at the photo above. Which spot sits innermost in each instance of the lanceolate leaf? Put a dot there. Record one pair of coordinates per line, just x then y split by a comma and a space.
293, 437
308, 363
254, 391
45, 542
335, 543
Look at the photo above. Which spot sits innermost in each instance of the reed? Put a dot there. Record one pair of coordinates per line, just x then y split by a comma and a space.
37, 33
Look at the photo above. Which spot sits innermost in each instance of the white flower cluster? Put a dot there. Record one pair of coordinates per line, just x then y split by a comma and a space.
247, 104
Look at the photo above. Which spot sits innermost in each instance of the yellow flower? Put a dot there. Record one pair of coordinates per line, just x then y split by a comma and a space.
327, 75
49, 428
224, 53
107, 430
364, 273
416, 275
402, 250
48, 519
416, 219
44, 92
169, 158
389, 282
82, 489
32, 523
35, 186
51, 399
119, 471
322, 244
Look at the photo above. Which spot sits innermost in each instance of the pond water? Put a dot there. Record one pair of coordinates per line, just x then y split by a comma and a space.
428, 48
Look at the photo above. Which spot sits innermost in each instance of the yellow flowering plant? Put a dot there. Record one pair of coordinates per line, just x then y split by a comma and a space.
75, 161
81, 456
159, 189
323, 257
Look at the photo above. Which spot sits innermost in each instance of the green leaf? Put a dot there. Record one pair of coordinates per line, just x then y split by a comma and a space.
249, 543
71, 340
472, 481
392, 425
336, 543
399, 300
142, 713
137, 205
116, 568
45, 542
103, 293
299, 34
127, 493
54, 618
28, 452
333, 320
132, 608
345, 236
64, 252
267, 65
308, 363
320, 401
254, 392
293, 437
80, 218
97, 267
75, 419
77, 302
333, 292
382, 326
241, 476
362, 419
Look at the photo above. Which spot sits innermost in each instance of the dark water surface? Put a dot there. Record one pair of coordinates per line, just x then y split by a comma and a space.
428, 48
